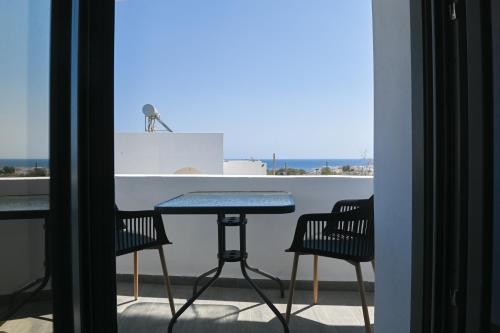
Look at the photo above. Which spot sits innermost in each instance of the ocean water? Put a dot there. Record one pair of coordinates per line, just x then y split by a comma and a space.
25, 162
312, 164
306, 164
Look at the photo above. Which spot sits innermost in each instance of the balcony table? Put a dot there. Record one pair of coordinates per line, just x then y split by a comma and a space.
27, 207
238, 203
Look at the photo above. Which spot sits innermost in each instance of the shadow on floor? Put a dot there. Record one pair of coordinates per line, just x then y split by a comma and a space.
36, 309
239, 294
154, 317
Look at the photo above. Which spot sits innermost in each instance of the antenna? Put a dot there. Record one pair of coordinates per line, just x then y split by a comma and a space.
150, 118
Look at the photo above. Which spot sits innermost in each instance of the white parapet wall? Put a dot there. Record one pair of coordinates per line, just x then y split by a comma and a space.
194, 237
169, 153
245, 167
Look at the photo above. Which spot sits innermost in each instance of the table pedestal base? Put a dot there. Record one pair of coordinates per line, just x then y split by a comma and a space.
231, 256
250, 268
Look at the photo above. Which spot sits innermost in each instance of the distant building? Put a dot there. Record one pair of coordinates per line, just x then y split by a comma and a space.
245, 167
169, 153
178, 153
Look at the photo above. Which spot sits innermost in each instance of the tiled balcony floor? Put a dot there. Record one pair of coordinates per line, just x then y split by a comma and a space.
218, 310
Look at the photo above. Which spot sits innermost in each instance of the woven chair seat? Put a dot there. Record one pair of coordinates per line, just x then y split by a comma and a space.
127, 241
339, 248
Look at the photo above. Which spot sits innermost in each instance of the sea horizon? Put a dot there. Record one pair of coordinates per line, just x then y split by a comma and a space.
307, 164
311, 164
25, 162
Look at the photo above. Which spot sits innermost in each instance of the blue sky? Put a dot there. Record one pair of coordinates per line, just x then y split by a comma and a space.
24, 78
293, 77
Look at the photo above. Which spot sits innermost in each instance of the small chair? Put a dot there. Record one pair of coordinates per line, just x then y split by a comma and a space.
142, 230
345, 233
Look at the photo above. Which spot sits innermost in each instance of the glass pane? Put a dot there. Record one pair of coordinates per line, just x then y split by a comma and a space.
24, 163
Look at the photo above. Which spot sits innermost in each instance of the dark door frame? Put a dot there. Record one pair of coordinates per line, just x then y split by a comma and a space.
479, 166
495, 232
60, 242
422, 69
82, 165
452, 176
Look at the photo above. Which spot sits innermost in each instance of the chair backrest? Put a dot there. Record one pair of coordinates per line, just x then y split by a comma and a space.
357, 224
359, 221
138, 230
119, 223
348, 205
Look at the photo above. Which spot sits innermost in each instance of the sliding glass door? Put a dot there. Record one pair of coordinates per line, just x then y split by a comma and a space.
24, 165
82, 182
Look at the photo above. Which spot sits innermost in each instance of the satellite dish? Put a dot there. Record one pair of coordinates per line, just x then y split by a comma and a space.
150, 111
150, 118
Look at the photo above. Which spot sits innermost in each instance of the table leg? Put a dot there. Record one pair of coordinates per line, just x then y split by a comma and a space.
264, 297
198, 279
14, 308
192, 299
243, 265
26, 287
267, 275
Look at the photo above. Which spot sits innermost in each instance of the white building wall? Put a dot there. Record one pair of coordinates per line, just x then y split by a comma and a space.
245, 167
393, 156
169, 153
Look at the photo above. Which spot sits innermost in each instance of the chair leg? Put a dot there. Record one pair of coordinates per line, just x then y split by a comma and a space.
315, 279
136, 277
361, 287
292, 287
167, 280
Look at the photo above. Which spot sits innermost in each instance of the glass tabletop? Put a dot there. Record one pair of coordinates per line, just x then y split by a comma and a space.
12, 206
229, 202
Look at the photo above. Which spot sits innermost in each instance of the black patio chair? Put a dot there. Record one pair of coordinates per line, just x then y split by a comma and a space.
345, 233
142, 230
